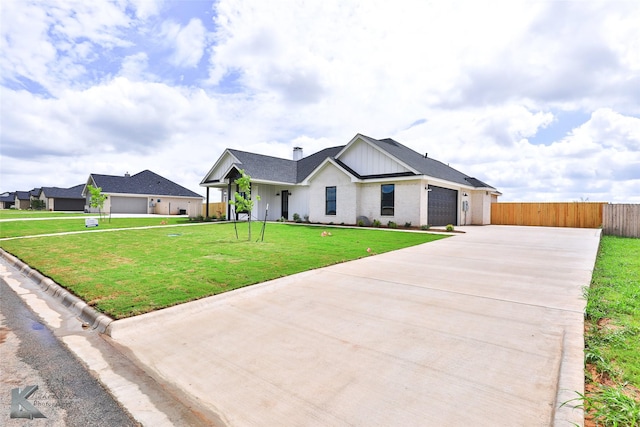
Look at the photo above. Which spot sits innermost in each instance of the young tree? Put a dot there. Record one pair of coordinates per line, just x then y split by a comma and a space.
97, 198
242, 200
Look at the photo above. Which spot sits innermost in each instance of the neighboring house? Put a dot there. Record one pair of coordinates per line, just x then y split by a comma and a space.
22, 199
364, 180
35, 194
7, 200
144, 193
63, 199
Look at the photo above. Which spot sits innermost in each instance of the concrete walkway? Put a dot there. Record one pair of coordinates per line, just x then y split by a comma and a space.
483, 329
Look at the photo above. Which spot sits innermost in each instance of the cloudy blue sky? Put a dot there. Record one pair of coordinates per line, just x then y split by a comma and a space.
541, 99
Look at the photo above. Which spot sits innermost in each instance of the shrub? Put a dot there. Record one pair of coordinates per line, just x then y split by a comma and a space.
407, 225
425, 227
392, 224
450, 227
376, 223
306, 219
37, 204
360, 223
296, 217
223, 217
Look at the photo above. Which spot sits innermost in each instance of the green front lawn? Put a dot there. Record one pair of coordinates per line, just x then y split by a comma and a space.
53, 225
130, 272
21, 213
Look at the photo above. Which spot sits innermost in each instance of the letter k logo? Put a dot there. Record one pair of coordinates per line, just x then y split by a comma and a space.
21, 407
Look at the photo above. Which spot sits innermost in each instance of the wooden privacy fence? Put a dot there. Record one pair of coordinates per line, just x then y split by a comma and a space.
621, 220
548, 214
217, 209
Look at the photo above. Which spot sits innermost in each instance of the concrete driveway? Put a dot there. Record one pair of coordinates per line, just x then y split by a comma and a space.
483, 328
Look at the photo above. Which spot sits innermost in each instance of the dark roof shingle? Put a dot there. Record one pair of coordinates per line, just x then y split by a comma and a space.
74, 192
424, 165
145, 182
268, 168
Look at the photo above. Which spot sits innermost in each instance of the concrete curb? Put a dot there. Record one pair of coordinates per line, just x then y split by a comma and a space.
86, 313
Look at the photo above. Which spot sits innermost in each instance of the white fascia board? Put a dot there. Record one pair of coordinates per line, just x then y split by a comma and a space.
392, 179
323, 164
447, 184
267, 182
386, 153
223, 183
226, 172
152, 196
226, 151
253, 180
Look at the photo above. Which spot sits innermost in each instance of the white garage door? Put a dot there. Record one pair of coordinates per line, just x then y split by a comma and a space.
136, 205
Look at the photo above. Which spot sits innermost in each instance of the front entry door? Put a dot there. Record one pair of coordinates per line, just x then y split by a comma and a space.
284, 204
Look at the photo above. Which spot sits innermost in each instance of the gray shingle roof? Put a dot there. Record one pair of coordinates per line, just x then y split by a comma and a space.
309, 163
11, 197
23, 195
74, 192
145, 182
276, 169
266, 168
424, 165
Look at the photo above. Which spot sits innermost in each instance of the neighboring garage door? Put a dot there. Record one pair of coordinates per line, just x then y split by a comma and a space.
443, 206
136, 205
68, 204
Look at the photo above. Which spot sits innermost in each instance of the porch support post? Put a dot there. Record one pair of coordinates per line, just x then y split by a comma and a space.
207, 208
228, 199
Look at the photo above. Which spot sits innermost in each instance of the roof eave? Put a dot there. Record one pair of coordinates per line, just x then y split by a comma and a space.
226, 151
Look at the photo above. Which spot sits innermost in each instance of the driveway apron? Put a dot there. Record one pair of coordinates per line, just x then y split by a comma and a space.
483, 328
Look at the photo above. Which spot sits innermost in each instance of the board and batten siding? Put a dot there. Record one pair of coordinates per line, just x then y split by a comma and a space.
367, 160
224, 166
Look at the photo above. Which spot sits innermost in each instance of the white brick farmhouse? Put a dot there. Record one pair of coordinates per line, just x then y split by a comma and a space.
366, 179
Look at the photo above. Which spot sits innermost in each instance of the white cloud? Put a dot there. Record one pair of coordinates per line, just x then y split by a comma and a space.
146, 8
188, 41
471, 83
52, 43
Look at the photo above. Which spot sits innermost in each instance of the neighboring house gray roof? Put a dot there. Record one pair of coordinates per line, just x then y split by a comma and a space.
145, 182
276, 169
74, 192
23, 195
35, 192
10, 197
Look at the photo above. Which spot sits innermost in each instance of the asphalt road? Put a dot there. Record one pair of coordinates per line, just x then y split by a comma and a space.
30, 354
